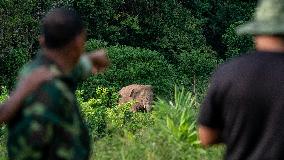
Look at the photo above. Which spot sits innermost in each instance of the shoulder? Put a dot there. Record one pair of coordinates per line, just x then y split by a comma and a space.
27, 69
235, 66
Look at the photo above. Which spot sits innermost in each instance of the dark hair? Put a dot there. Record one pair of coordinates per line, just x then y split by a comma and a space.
60, 26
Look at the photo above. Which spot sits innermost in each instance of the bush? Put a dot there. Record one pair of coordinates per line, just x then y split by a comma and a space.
3, 93
236, 44
94, 110
171, 136
18, 36
3, 128
220, 16
195, 68
197, 63
165, 26
104, 116
120, 118
134, 66
20, 28
94, 44
10, 64
173, 29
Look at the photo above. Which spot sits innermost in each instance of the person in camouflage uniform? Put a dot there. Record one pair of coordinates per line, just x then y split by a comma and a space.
49, 124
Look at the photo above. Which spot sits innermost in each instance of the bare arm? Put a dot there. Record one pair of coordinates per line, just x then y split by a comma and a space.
208, 136
25, 87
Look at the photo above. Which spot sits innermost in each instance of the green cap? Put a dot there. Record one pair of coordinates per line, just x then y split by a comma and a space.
268, 20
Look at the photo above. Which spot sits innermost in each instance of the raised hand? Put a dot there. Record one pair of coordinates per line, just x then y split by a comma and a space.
100, 61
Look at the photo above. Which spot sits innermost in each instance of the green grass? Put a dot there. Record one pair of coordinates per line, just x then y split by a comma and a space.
150, 145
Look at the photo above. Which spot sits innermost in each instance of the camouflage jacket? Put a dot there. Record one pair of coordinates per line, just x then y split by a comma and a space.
49, 125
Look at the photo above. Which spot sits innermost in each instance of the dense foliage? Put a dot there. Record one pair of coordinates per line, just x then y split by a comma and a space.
236, 44
180, 31
3, 130
171, 135
133, 66
168, 132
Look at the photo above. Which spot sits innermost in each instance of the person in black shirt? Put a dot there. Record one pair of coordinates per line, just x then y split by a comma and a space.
244, 106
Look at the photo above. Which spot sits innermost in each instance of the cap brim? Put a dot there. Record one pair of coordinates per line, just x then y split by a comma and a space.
248, 28
260, 28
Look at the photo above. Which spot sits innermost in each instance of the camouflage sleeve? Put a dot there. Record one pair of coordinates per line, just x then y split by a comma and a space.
32, 135
41, 132
83, 69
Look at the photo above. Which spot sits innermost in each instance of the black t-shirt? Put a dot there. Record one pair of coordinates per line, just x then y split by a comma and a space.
245, 102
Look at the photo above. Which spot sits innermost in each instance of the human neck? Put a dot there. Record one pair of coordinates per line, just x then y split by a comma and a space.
269, 44
63, 59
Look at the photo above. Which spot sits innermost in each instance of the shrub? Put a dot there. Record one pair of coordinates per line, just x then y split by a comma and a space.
94, 110
220, 16
3, 142
94, 118
134, 66
3, 93
104, 116
120, 118
195, 68
11, 63
94, 44
20, 28
172, 136
236, 44
18, 36
3, 128
173, 29
165, 26
198, 63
